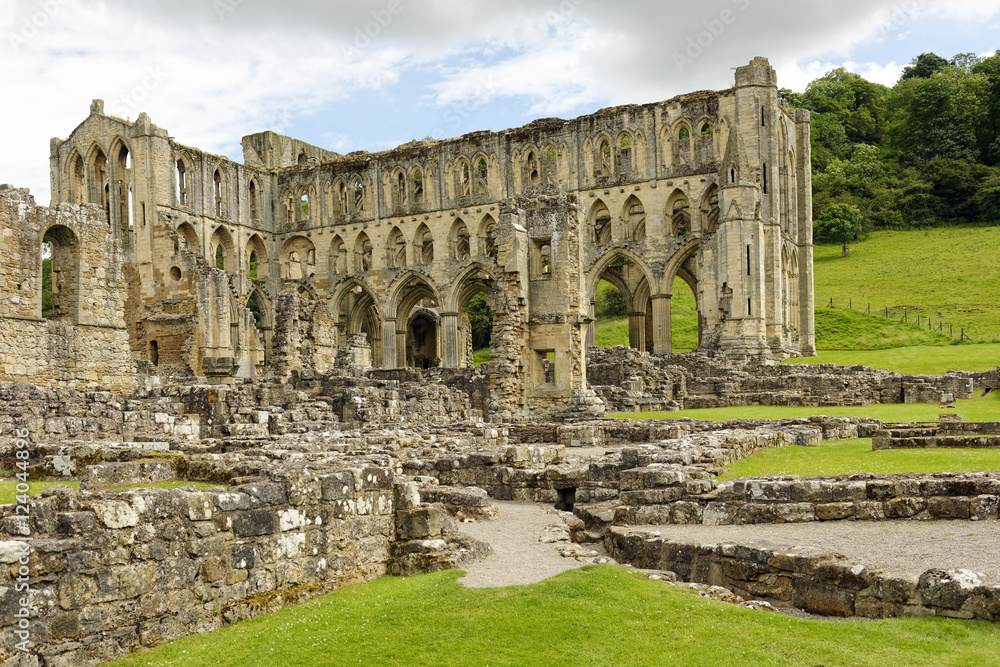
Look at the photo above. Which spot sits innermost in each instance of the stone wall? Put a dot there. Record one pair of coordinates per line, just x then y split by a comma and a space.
85, 342
632, 381
945, 434
112, 572
817, 583
666, 493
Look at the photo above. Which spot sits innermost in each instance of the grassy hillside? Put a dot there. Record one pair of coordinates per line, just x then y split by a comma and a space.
949, 274
921, 360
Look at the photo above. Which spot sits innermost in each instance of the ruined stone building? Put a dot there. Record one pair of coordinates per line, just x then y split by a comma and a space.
196, 266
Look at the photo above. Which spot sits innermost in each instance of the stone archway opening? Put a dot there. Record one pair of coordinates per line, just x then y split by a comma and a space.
422, 337
685, 329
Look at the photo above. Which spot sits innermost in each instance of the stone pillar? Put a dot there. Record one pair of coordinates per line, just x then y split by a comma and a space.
591, 331
637, 331
388, 343
661, 324
400, 336
452, 350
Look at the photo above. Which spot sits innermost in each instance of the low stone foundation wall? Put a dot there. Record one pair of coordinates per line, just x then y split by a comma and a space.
632, 381
819, 584
946, 434
659, 495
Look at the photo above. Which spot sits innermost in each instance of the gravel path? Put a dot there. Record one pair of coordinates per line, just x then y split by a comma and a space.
901, 548
518, 557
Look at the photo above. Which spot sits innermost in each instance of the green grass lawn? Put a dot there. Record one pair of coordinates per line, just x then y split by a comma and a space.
597, 615
986, 408
8, 489
847, 457
950, 274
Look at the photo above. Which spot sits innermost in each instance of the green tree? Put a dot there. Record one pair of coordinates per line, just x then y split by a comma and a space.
924, 66
840, 223
481, 320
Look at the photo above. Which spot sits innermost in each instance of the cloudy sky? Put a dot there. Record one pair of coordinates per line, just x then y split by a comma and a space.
372, 74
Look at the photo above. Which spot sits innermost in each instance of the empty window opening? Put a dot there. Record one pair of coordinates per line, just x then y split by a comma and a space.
418, 187
545, 367
626, 155
684, 134
304, 206
605, 158
482, 173
252, 268
748, 260
466, 182
220, 258
567, 498
254, 309
707, 130
732, 175
154, 353
47, 279
175, 273
342, 195
764, 165
762, 121
534, 178
218, 193
680, 218
748, 308
542, 258
182, 184
60, 268
359, 197
400, 189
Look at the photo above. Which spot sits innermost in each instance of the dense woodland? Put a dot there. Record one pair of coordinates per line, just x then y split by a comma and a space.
925, 152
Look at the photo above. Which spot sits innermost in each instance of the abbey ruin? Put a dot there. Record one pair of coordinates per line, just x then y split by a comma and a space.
324, 248
293, 330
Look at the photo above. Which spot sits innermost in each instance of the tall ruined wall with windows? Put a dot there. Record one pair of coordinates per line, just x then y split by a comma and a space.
712, 188
82, 340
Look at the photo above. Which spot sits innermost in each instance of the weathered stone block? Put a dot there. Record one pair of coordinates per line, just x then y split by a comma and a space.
254, 522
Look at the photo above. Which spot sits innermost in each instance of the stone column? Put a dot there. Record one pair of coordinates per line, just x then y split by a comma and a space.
388, 359
452, 350
637, 331
400, 346
661, 323
591, 332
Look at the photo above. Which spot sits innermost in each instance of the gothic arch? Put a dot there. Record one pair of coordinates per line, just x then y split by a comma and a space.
600, 267
396, 249
423, 245
474, 278
221, 247
459, 241
298, 258
599, 222
256, 252
488, 236
76, 177
187, 238
634, 216
363, 253
679, 213
338, 256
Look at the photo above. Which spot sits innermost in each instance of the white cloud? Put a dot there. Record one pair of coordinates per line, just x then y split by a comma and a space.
212, 70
